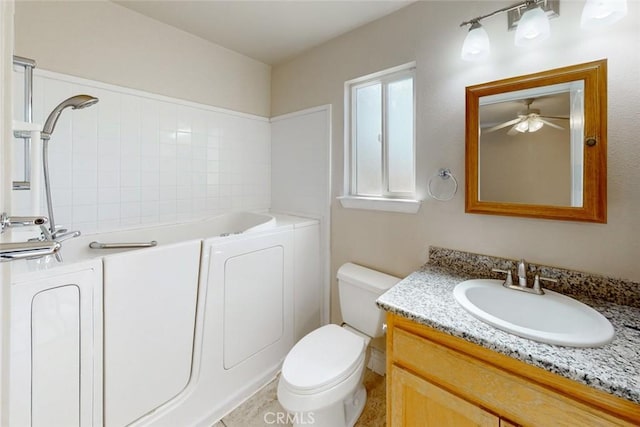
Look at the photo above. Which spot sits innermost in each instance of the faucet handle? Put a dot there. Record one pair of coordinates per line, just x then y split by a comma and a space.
48, 237
509, 280
46, 234
61, 237
536, 283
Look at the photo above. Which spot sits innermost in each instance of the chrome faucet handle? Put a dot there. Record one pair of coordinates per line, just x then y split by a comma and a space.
509, 280
548, 279
48, 237
536, 283
46, 234
61, 237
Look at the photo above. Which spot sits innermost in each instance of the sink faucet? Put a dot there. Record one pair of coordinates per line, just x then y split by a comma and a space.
522, 279
522, 273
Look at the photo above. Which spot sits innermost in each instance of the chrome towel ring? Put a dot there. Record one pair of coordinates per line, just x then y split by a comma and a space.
441, 194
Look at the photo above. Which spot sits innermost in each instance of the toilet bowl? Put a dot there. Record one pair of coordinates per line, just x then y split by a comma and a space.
321, 379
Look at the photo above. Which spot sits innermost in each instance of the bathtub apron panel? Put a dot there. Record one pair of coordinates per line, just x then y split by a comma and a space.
56, 351
150, 308
254, 291
249, 310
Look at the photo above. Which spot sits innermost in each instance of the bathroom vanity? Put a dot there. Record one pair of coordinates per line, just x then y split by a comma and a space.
445, 367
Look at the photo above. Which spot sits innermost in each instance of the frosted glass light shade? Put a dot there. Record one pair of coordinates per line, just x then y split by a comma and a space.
533, 27
476, 45
523, 126
600, 13
532, 124
535, 124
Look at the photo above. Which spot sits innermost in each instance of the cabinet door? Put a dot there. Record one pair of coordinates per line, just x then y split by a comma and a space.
417, 402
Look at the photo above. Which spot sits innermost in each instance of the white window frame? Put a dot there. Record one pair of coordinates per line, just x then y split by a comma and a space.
387, 201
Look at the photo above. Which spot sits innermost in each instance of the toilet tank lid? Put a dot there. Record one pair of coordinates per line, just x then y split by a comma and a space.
365, 277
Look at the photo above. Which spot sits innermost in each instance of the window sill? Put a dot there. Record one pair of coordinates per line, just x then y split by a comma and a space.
380, 204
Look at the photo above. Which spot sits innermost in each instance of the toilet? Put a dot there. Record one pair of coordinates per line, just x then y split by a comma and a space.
321, 380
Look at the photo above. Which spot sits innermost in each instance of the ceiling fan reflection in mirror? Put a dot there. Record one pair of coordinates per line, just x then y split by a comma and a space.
529, 120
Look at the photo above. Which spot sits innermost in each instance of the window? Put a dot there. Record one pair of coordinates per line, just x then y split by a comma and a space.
380, 135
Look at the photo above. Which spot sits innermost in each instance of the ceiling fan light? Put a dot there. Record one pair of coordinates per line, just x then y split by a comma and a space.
476, 45
523, 126
533, 27
600, 13
535, 124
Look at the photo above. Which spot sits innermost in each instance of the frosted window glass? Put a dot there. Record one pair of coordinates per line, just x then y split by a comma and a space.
368, 138
400, 124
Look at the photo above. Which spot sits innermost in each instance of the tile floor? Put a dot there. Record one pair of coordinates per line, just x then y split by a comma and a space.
259, 410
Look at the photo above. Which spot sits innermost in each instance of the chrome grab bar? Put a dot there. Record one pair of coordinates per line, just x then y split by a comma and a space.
24, 250
98, 245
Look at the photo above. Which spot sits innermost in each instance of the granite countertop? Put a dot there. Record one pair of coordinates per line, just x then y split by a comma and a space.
426, 297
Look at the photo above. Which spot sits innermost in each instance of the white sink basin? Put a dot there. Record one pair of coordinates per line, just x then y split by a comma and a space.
550, 318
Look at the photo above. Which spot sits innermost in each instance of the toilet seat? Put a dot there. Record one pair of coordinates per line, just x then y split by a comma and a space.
322, 359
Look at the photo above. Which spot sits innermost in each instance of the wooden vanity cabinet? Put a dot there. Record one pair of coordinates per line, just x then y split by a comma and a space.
434, 379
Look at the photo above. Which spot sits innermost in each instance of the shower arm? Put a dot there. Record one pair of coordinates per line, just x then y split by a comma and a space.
76, 102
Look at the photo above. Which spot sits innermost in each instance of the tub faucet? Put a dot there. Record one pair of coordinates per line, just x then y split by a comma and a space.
58, 236
522, 273
29, 249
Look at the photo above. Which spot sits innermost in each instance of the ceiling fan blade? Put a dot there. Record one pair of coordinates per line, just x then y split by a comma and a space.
504, 125
555, 117
553, 125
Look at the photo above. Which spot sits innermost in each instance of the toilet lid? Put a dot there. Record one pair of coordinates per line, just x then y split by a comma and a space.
324, 357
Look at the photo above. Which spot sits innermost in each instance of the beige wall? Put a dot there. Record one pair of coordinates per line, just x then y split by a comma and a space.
429, 33
103, 41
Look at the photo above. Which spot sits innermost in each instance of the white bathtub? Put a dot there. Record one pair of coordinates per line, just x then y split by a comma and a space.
191, 327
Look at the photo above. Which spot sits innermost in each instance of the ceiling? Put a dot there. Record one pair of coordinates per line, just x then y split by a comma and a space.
269, 31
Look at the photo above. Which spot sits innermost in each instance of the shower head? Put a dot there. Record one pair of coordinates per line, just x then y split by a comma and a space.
75, 102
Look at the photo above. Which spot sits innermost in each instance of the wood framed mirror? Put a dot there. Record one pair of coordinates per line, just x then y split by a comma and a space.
536, 145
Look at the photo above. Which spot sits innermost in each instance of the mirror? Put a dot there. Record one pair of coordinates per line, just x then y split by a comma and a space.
536, 145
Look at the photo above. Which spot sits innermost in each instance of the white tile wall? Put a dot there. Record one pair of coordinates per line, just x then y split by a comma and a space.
301, 158
138, 158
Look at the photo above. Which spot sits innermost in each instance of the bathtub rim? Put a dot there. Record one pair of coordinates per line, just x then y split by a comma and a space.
24, 270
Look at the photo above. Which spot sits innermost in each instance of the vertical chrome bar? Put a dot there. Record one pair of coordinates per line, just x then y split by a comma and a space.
28, 65
28, 117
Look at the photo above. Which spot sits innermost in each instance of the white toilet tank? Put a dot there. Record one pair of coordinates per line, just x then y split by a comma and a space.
359, 289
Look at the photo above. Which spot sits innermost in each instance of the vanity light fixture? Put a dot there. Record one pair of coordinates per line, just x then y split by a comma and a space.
530, 19
476, 45
599, 13
533, 26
